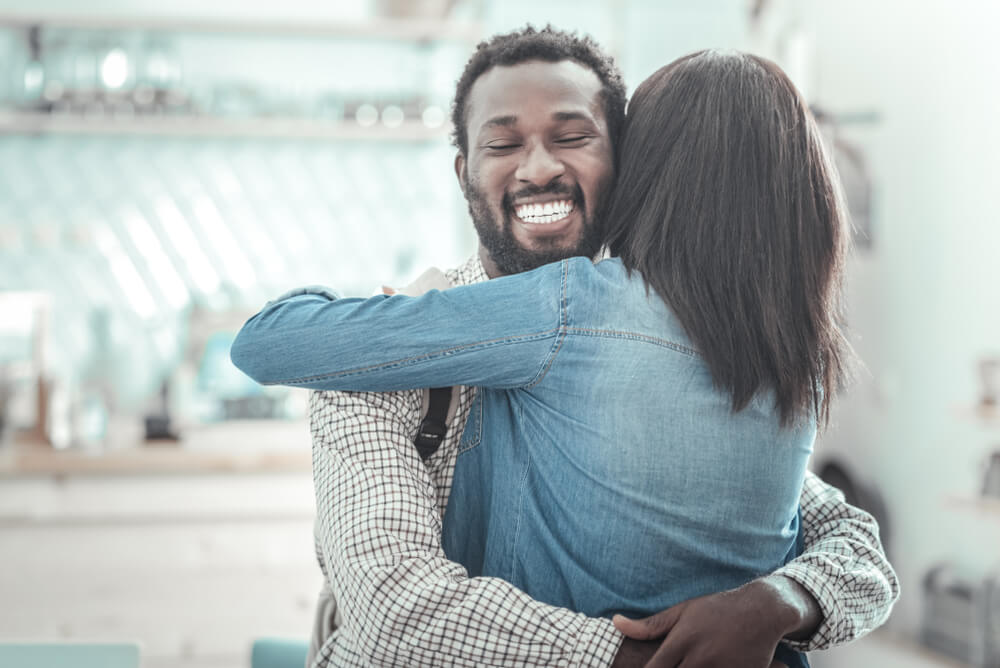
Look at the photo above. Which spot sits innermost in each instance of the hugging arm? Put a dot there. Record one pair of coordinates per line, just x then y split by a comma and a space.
843, 566
499, 334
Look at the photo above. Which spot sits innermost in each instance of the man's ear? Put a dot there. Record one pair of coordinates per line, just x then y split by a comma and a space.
460, 173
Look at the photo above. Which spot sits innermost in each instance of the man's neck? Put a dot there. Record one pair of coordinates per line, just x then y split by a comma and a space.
493, 271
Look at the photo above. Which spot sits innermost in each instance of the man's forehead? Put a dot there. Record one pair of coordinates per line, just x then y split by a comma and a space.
561, 89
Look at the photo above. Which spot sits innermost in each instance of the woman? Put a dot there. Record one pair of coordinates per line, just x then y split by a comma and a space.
665, 399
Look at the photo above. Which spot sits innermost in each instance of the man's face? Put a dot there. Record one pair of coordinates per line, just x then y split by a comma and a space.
539, 164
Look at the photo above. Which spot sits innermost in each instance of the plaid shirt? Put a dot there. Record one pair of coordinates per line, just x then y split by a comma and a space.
403, 603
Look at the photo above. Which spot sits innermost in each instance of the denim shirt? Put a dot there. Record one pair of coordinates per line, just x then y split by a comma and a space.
601, 469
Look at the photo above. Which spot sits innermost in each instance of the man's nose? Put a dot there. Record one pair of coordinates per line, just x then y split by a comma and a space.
539, 166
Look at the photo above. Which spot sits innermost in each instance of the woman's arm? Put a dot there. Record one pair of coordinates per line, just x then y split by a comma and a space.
502, 333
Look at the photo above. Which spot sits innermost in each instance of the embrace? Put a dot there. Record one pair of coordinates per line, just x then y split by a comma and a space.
642, 351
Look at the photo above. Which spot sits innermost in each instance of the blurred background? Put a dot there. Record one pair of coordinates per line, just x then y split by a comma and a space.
166, 169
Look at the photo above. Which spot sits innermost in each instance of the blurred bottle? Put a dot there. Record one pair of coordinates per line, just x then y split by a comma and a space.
90, 416
30, 76
59, 415
92, 396
991, 475
6, 390
989, 379
159, 80
76, 414
10, 56
58, 71
82, 82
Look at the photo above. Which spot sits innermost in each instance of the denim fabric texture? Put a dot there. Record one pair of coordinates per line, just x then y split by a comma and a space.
601, 469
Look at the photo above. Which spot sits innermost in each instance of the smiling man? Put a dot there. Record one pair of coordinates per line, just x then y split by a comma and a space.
537, 117
538, 164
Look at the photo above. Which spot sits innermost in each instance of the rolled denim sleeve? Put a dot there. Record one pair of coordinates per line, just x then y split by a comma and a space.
502, 333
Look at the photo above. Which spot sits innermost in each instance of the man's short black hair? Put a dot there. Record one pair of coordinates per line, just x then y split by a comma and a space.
549, 45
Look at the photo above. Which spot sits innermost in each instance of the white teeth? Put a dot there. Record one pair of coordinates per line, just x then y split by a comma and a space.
549, 212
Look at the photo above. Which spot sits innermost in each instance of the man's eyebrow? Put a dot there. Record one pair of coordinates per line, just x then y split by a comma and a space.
511, 120
501, 121
572, 116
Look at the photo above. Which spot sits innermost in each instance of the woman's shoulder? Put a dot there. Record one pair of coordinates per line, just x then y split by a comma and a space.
606, 276
606, 296
606, 269
603, 275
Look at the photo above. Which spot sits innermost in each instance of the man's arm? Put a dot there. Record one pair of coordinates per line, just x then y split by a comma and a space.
402, 601
843, 567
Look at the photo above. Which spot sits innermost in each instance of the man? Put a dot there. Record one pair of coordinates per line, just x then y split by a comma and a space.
537, 116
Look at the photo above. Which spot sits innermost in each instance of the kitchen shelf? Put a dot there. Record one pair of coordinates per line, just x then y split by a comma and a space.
207, 126
415, 29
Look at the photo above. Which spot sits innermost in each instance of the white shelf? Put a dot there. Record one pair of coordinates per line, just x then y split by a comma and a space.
985, 416
981, 505
205, 126
416, 29
988, 416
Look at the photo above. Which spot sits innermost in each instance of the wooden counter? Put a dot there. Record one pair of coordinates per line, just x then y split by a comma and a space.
237, 446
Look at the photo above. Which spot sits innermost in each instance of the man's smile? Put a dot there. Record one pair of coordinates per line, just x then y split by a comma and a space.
547, 216
544, 213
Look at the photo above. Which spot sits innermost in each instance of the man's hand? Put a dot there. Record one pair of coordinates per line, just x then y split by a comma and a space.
741, 627
634, 653
432, 279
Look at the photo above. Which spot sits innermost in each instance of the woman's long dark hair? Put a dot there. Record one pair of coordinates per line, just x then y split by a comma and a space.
729, 208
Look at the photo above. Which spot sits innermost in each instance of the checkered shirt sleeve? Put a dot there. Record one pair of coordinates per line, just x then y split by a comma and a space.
378, 532
843, 566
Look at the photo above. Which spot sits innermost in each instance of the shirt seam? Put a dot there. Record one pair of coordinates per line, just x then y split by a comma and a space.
564, 331
561, 328
520, 513
409, 361
622, 334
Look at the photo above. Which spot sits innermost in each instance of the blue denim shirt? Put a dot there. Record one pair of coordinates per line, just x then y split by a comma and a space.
601, 469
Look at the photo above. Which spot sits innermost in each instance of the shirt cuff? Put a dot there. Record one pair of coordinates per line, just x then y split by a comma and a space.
598, 644
823, 637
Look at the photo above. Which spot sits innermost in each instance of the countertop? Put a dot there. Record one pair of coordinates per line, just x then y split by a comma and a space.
236, 446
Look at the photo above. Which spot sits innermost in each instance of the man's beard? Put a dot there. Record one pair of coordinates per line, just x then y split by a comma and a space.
507, 254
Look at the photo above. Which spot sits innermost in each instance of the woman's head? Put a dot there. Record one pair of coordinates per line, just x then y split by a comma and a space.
728, 206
